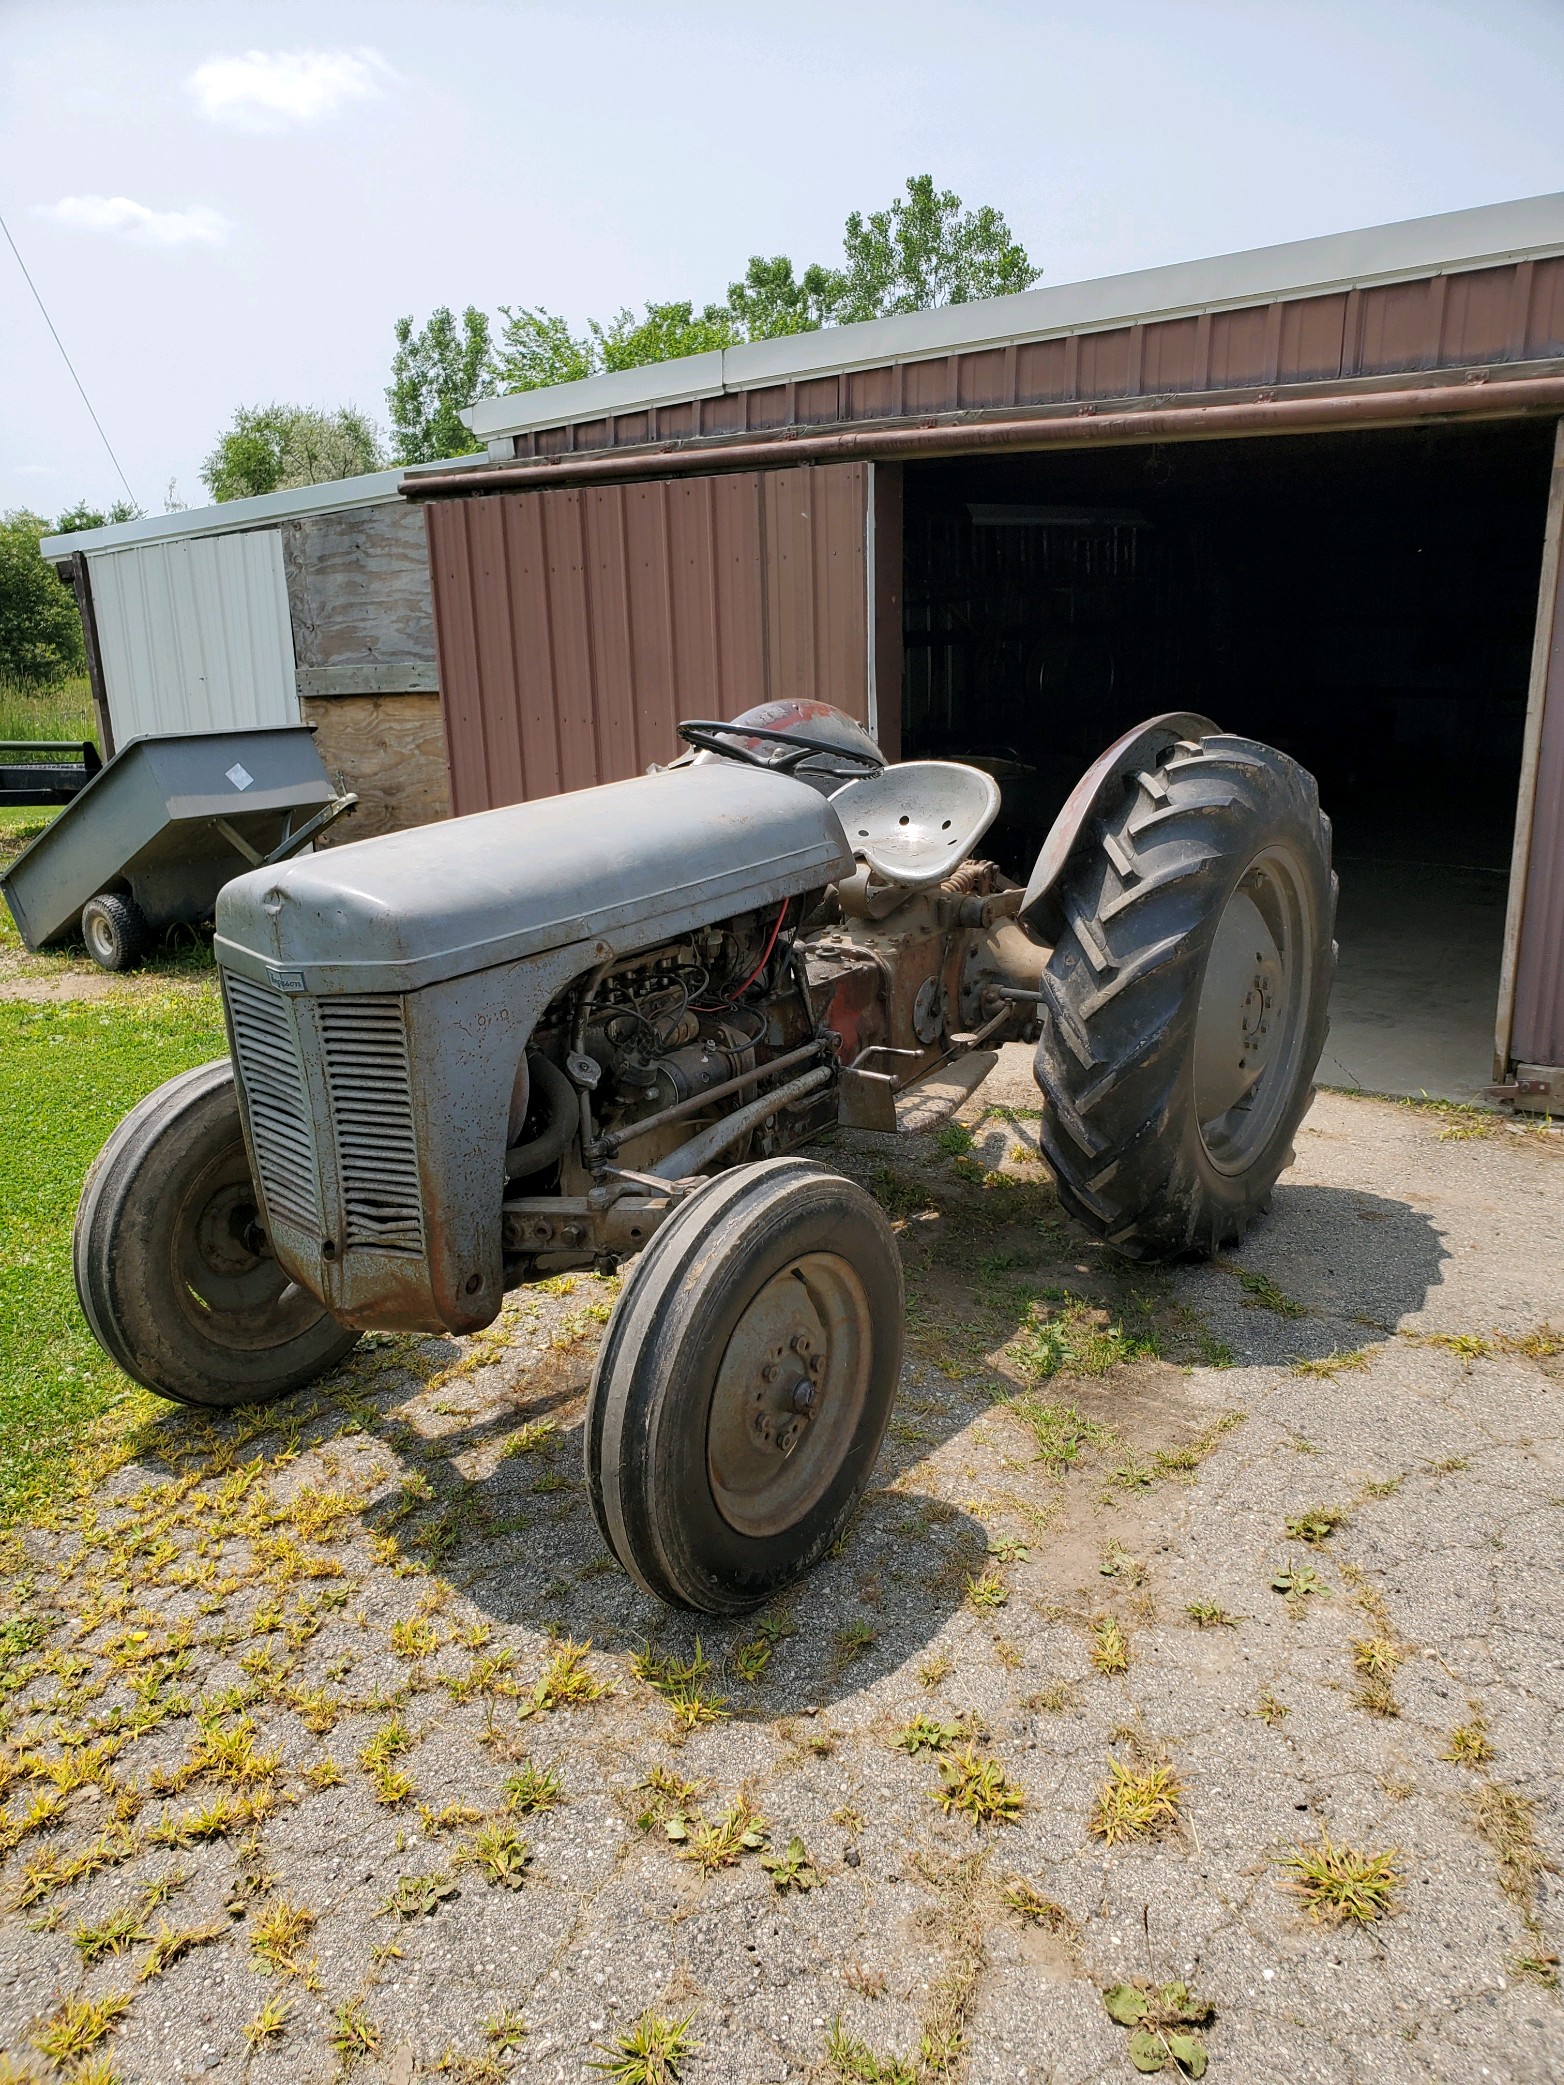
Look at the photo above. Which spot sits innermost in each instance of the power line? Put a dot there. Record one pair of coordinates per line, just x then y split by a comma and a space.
70, 365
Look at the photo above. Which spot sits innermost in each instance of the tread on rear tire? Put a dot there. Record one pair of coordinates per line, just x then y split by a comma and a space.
166, 1270
1160, 910
705, 1485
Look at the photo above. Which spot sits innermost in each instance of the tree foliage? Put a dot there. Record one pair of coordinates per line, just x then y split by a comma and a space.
81, 516
273, 448
437, 371
40, 630
925, 248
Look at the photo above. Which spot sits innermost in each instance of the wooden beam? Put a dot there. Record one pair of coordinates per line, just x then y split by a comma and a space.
371, 677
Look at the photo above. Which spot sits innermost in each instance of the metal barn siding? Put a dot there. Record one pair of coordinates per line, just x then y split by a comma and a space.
1535, 930
194, 635
574, 627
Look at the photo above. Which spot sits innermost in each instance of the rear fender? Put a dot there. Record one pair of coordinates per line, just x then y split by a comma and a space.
1101, 786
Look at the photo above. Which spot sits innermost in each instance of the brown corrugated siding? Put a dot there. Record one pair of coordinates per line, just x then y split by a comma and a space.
1537, 1032
1508, 314
576, 626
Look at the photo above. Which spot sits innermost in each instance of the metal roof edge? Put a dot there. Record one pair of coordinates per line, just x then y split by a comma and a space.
228, 517
621, 390
1488, 234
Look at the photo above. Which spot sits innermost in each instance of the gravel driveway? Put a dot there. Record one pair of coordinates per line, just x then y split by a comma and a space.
335, 1745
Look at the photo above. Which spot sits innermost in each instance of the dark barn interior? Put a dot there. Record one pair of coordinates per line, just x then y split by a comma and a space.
1365, 601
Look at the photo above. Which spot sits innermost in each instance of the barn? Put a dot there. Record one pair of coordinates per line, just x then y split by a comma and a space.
1313, 491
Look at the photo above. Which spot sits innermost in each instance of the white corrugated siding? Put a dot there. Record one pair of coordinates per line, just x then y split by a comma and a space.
194, 635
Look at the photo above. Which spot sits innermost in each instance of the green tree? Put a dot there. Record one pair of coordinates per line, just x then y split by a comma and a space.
925, 250
273, 448
40, 631
81, 516
537, 348
436, 373
662, 334
771, 300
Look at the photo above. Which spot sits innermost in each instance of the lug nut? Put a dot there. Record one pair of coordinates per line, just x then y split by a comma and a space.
770, 1372
804, 1397
801, 1343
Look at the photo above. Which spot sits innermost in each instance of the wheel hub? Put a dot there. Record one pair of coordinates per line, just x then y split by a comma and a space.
1251, 1011
788, 1394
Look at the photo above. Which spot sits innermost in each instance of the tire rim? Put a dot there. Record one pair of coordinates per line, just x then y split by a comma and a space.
1252, 1014
789, 1394
102, 942
225, 1279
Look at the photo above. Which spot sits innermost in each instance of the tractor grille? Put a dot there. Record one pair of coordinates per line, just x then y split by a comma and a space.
276, 1100
372, 1113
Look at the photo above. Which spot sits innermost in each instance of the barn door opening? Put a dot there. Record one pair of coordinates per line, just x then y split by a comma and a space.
1365, 601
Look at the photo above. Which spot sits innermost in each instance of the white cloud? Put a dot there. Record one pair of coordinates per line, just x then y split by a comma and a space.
267, 90
119, 216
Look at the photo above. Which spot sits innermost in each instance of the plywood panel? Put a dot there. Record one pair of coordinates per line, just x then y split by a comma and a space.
390, 749
358, 587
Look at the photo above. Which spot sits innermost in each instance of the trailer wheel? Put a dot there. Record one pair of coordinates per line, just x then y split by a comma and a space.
744, 1385
115, 930
172, 1267
1185, 1007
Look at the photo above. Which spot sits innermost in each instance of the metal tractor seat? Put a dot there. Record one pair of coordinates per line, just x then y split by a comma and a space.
913, 823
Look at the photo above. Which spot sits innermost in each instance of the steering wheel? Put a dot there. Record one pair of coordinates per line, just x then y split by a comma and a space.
700, 732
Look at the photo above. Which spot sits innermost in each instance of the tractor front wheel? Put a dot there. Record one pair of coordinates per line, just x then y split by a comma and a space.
744, 1385
173, 1270
1185, 1007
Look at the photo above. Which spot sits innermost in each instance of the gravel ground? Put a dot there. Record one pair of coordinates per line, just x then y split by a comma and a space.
282, 1693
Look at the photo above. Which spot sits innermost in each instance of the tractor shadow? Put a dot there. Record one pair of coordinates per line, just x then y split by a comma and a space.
464, 1459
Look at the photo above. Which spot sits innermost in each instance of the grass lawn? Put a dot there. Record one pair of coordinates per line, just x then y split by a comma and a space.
68, 1072
64, 712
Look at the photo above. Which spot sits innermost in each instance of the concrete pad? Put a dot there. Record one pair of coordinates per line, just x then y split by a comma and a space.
1417, 981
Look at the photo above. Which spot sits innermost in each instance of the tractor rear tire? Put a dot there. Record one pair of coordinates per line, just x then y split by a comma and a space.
172, 1268
1186, 1004
115, 930
744, 1385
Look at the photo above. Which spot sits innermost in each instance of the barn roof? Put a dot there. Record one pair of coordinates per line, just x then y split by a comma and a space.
1454, 241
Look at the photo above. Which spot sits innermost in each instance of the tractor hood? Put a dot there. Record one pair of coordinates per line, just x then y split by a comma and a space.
632, 862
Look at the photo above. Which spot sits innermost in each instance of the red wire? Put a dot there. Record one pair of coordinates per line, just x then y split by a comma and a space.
776, 928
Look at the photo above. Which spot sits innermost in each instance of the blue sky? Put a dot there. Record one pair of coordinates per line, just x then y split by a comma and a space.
230, 203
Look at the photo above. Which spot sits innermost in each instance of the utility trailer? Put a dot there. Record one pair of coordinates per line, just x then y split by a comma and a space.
45, 770
153, 836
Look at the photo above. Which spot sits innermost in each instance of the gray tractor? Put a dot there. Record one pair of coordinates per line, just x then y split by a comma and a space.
601, 1027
